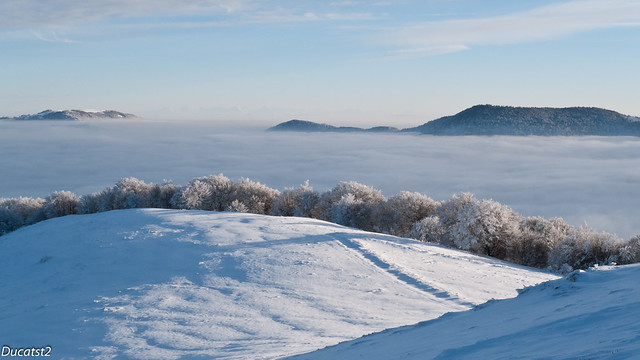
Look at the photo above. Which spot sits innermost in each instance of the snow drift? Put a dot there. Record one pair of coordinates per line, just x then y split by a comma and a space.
167, 284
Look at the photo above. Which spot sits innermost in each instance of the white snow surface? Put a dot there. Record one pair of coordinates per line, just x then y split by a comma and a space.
169, 284
587, 315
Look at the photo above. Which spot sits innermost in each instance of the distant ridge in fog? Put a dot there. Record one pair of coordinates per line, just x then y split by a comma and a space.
310, 126
72, 115
507, 120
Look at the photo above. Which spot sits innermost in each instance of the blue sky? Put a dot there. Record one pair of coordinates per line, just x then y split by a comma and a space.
342, 62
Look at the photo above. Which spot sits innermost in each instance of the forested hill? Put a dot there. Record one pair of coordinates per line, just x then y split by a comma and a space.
507, 120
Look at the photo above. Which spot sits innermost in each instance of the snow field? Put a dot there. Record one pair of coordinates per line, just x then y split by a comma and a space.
149, 283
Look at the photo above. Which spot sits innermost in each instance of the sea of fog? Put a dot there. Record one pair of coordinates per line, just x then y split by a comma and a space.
581, 179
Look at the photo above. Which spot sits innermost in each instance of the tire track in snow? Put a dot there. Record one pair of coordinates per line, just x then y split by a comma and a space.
398, 274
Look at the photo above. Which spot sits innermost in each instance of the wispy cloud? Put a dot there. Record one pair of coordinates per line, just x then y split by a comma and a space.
51, 36
35, 13
166, 13
543, 23
426, 51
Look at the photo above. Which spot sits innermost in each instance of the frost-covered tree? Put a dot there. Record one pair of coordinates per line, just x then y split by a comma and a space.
90, 203
130, 193
482, 226
298, 201
213, 193
257, 198
9, 220
217, 193
353, 212
397, 215
18, 212
237, 206
630, 251
196, 195
537, 237
449, 213
24, 207
362, 194
428, 229
350, 204
584, 247
59, 203
160, 196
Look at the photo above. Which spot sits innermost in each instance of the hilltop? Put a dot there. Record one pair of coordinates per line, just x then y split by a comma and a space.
72, 115
505, 120
168, 284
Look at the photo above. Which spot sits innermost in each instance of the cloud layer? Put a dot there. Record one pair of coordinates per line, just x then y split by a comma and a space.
593, 179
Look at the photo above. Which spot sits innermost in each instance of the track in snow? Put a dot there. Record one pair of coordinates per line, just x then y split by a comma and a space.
397, 273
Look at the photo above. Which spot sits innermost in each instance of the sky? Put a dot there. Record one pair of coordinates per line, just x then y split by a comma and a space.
398, 63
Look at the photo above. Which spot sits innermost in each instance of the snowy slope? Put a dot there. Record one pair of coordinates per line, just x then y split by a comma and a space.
587, 315
153, 284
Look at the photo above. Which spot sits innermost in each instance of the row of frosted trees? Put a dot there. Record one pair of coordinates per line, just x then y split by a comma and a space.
463, 222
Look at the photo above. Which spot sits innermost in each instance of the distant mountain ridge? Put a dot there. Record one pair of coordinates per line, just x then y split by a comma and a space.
73, 115
310, 126
506, 120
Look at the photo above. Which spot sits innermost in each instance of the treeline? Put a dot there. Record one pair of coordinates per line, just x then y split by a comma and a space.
463, 222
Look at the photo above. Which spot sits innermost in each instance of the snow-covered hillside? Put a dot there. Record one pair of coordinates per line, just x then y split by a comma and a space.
165, 284
587, 315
